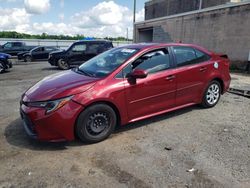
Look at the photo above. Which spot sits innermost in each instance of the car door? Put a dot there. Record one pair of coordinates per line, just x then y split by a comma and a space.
37, 53
154, 93
46, 52
76, 55
17, 47
192, 67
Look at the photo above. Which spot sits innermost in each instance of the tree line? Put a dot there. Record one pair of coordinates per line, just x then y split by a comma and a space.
16, 35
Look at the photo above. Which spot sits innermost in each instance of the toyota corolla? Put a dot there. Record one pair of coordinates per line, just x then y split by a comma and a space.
120, 86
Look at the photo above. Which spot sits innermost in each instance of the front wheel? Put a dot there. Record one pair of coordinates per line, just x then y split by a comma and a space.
1, 67
212, 94
27, 59
96, 123
62, 64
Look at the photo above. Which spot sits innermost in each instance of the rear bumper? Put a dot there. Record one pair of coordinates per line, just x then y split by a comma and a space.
227, 82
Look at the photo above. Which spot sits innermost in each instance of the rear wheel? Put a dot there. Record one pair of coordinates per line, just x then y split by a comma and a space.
96, 123
62, 64
212, 94
27, 59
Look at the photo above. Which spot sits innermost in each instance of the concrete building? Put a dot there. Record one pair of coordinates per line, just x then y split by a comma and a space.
223, 28
160, 8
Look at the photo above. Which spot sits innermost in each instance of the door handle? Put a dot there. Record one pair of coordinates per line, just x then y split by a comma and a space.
171, 77
202, 69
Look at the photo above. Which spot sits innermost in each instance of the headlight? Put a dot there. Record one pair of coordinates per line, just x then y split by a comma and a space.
50, 106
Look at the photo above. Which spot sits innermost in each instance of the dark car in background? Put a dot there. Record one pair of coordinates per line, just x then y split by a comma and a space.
5, 62
13, 48
78, 53
37, 53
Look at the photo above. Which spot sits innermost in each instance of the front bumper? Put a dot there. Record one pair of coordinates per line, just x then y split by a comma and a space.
54, 127
52, 62
9, 64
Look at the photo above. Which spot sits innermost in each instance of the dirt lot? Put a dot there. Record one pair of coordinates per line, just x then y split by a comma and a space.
157, 152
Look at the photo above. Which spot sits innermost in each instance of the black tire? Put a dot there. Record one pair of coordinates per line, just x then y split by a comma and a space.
27, 58
62, 64
214, 91
96, 123
2, 69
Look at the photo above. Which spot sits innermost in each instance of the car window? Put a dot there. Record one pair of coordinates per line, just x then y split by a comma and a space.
152, 62
17, 44
105, 63
93, 49
8, 45
108, 45
36, 49
187, 55
79, 48
49, 48
201, 56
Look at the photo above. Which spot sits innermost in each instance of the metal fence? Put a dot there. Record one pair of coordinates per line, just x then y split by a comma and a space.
63, 44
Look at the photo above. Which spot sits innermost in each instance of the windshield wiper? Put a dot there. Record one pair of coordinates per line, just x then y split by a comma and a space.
84, 72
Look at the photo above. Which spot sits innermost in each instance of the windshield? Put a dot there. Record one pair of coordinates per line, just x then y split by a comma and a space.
107, 62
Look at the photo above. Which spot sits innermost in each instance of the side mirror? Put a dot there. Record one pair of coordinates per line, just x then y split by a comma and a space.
138, 73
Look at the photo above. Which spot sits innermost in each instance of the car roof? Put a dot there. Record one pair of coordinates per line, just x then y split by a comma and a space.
144, 46
93, 41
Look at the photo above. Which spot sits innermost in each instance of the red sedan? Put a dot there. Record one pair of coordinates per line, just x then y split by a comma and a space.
120, 86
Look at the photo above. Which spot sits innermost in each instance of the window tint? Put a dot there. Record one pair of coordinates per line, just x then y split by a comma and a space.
94, 49
108, 45
187, 55
37, 49
79, 48
153, 61
201, 57
49, 48
17, 44
8, 45
105, 63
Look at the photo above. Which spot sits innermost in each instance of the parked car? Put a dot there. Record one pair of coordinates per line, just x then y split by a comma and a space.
121, 86
78, 53
37, 53
13, 48
5, 62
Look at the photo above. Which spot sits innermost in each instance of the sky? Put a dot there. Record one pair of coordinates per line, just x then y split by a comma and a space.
92, 18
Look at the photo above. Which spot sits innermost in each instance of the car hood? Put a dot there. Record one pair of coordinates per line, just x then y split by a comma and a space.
58, 52
59, 85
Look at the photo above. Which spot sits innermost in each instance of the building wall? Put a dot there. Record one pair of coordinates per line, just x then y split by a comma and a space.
224, 30
160, 8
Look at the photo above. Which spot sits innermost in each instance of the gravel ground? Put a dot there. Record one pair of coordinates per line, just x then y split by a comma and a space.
192, 147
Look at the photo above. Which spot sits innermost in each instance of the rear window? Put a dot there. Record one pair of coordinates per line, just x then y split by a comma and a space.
187, 56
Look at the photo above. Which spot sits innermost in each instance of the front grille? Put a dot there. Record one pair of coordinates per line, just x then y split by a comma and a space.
28, 125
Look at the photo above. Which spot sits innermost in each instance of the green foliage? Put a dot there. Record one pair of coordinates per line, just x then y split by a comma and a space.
16, 35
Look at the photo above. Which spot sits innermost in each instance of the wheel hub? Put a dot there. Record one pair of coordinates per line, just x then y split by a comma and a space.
213, 94
97, 122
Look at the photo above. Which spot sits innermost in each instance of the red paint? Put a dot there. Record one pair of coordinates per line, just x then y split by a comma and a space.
157, 93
